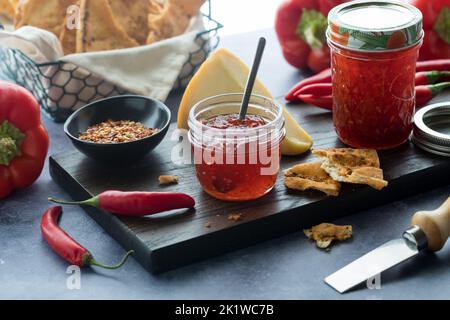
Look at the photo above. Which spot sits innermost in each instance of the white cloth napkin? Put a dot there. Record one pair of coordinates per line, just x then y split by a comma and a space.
150, 70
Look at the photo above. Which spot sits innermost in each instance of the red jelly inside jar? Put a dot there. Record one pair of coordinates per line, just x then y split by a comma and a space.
236, 160
374, 45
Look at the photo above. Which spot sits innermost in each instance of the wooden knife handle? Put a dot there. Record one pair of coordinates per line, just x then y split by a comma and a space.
435, 224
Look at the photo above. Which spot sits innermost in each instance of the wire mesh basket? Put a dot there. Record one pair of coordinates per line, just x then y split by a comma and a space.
61, 88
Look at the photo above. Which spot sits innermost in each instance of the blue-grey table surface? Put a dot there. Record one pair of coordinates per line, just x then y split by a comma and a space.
290, 267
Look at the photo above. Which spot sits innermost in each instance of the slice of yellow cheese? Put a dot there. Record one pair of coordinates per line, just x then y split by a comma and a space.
223, 72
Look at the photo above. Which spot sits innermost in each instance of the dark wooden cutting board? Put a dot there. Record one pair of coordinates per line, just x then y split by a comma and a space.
171, 240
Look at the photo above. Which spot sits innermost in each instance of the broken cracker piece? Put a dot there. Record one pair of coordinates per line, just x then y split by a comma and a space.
359, 166
7, 9
166, 180
325, 233
235, 217
311, 176
132, 16
44, 14
171, 18
93, 36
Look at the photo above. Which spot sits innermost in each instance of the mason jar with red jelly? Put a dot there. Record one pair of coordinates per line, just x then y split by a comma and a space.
236, 159
374, 50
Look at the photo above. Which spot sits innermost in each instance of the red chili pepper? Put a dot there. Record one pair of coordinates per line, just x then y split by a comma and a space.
322, 77
65, 246
317, 89
136, 204
442, 65
320, 94
431, 77
433, 65
424, 94
324, 102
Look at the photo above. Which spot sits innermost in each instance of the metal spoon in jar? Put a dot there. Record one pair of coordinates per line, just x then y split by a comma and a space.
252, 78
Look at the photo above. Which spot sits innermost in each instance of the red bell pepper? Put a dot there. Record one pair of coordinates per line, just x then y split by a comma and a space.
301, 26
23, 139
436, 24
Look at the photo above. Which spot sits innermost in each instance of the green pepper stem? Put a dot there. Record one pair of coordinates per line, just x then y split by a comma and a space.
10, 141
438, 88
93, 262
435, 76
94, 202
312, 27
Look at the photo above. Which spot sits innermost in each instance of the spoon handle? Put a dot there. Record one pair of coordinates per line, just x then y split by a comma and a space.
252, 78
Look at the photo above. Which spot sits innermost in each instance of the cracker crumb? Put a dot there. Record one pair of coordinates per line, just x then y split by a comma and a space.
166, 180
324, 234
235, 217
208, 225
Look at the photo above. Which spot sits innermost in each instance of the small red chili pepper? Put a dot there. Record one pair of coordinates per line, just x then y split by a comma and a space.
433, 65
424, 94
324, 102
422, 78
66, 247
431, 77
322, 77
135, 204
326, 75
318, 89
310, 94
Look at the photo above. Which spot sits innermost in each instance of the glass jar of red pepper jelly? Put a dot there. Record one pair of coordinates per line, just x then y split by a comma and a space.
236, 160
374, 45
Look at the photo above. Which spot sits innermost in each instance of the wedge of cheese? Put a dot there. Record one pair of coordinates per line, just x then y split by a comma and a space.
224, 72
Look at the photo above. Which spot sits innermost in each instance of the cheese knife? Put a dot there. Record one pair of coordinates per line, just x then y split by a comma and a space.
429, 230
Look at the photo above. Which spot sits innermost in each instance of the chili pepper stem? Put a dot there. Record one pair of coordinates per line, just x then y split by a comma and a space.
438, 88
92, 262
435, 76
94, 202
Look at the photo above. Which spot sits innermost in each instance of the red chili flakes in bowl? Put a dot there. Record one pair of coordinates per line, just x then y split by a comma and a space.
117, 132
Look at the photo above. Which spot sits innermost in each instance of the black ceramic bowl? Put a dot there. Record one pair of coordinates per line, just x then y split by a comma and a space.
150, 112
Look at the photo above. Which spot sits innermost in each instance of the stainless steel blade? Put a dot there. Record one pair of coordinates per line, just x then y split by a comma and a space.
373, 263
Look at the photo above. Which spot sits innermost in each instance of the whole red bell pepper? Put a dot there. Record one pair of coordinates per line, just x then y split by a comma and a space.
436, 24
301, 29
23, 139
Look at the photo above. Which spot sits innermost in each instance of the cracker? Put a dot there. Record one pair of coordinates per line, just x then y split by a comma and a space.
324, 234
95, 36
358, 166
306, 176
44, 14
68, 39
171, 18
133, 17
7, 9
14, 3
166, 180
235, 217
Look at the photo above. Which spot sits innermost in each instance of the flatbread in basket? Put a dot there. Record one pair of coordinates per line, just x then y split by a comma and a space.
105, 50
